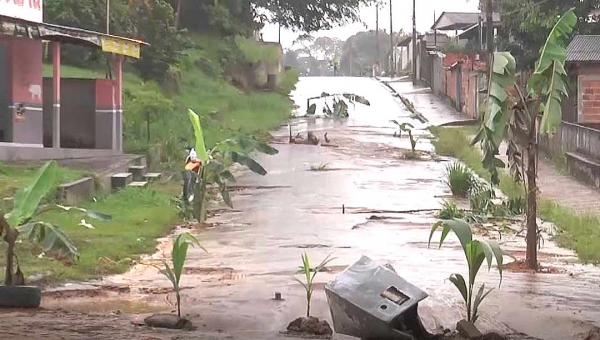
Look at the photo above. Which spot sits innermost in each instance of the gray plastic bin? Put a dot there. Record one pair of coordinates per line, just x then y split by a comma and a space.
370, 301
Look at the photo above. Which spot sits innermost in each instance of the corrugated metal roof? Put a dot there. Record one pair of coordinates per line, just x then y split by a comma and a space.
584, 48
460, 20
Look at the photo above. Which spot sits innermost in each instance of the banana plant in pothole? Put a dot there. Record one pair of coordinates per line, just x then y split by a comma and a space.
413, 153
25, 220
339, 104
476, 252
173, 272
310, 326
215, 167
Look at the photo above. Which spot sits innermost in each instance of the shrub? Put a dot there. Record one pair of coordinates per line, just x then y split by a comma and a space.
460, 179
450, 211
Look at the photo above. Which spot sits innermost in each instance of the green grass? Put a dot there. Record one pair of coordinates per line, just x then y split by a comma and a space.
13, 177
580, 232
455, 142
140, 216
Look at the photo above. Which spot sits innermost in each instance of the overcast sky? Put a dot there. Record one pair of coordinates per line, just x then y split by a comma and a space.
402, 16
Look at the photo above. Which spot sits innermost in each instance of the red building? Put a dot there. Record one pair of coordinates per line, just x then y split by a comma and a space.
54, 117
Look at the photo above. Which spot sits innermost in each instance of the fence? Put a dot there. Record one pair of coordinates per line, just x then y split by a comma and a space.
580, 139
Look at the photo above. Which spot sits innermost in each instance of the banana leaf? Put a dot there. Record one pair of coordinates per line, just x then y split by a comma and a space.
199, 135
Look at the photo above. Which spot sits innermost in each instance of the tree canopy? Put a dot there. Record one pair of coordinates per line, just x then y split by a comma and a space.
313, 15
526, 24
166, 24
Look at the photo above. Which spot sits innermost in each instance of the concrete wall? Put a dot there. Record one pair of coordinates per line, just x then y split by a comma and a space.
257, 75
27, 152
78, 107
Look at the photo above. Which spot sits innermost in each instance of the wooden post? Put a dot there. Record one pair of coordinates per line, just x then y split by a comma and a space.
56, 95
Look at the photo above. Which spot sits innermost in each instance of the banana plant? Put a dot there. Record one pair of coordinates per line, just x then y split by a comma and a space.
178, 257
406, 127
309, 274
24, 219
217, 160
476, 251
340, 106
521, 116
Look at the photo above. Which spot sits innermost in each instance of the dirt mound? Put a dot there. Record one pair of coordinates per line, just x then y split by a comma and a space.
520, 266
310, 327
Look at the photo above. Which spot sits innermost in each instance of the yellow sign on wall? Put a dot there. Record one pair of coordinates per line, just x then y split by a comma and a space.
121, 46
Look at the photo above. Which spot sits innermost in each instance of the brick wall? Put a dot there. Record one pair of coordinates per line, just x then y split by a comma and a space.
590, 99
468, 68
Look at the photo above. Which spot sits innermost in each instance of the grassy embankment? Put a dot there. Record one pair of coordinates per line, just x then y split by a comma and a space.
580, 232
141, 216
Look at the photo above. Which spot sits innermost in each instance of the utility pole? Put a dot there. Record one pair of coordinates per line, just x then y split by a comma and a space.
107, 16
434, 31
378, 53
489, 14
414, 44
392, 66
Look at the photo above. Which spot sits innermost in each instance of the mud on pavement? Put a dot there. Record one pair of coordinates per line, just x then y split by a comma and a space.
253, 250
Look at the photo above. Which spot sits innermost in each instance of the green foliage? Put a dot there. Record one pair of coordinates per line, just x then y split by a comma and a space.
147, 110
476, 252
222, 18
525, 29
406, 127
577, 231
253, 51
178, 256
313, 15
550, 78
287, 84
152, 21
27, 199
216, 162
89, 15
547, 84
309, 274
155, 24
450, 211
546, 89
460, 179
24, 220
455, 142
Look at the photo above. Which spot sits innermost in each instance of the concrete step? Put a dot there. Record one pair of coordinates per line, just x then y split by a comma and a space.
121, 180
152, 176
138, 184
138, 172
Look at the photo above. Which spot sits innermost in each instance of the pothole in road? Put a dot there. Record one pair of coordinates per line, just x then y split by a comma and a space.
209, 274
257, 187
314, 246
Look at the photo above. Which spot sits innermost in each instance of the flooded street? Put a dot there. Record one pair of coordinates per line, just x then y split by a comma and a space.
368, 200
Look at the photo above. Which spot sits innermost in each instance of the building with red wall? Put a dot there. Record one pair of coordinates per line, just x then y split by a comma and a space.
54, 117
